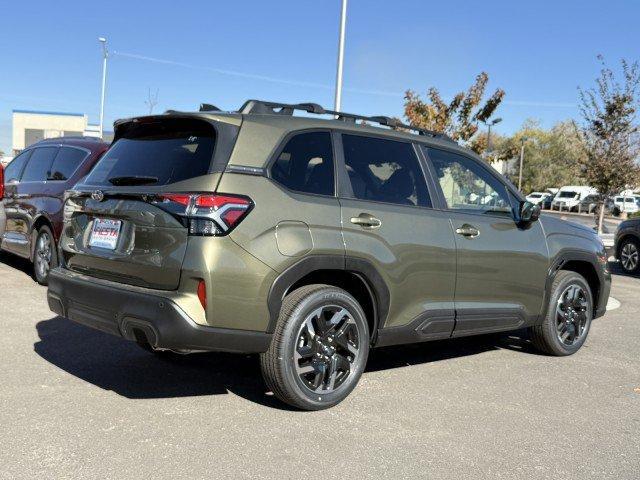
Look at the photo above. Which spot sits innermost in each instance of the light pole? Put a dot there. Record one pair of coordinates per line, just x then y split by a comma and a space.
522, 140
489, 125
343, 22
105, 55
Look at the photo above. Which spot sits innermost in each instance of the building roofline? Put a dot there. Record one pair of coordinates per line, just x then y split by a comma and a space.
42, 112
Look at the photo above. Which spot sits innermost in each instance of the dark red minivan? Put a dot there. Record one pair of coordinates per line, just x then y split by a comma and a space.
34, 186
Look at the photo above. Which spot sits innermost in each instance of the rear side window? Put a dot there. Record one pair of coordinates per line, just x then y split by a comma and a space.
66, 162
39, 164
157, 153
14, 169
306, 164
384, 171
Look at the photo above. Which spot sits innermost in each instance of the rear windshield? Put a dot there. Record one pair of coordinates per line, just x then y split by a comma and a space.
156, 153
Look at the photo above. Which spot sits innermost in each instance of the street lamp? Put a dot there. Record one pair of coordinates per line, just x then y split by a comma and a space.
343, 22
522, 140
105, 55
489, 125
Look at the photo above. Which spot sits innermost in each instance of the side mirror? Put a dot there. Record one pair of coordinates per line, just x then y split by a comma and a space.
529, 212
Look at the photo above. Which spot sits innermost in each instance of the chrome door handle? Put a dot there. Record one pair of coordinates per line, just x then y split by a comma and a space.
468, 231
366, 221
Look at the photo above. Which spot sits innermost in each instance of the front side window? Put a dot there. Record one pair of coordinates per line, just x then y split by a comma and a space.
39, 164
384, 171
466, 185
66, 162
14, 170
306, 164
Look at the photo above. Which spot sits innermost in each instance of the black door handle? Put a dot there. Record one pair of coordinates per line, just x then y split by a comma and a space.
468, 231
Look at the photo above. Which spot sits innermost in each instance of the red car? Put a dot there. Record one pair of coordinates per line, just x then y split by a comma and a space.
33, 196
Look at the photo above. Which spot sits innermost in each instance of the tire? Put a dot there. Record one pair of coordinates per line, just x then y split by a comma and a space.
45, 255
565, 317
629, 255
319, 348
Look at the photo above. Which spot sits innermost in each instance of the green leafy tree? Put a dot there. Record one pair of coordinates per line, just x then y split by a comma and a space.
552, 158
460, 117
609, 131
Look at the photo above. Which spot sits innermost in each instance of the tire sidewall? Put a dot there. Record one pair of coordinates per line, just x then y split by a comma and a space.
573, 279
329, 296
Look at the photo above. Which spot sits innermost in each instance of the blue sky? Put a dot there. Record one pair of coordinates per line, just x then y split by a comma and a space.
224, 52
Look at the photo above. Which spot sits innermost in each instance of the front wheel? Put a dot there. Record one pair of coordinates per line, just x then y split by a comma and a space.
45, 255
569, 313
319, 348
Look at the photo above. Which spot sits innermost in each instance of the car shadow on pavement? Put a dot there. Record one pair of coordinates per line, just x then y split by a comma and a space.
124, 368
17, 263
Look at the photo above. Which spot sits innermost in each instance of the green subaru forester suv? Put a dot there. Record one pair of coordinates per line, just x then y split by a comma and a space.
310, 241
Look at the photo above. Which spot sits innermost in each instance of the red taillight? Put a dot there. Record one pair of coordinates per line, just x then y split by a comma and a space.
182, 199
210, 214
1, 182
202, 293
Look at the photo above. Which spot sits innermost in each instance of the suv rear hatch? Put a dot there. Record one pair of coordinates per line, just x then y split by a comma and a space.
126, 221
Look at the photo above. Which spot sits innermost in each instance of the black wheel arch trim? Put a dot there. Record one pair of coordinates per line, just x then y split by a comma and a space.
574, 255
360, 267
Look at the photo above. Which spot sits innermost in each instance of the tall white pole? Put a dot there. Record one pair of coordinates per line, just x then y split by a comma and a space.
343, 22
105, 54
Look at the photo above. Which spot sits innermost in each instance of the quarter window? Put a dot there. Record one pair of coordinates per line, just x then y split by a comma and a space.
14, 169
466, 185
306, 164
384, 171
66, 162
39, 164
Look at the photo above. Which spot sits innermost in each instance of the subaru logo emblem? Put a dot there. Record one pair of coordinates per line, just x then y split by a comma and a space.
98, 196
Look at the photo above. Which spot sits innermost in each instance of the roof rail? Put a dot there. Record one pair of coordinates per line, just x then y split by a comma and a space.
276, 108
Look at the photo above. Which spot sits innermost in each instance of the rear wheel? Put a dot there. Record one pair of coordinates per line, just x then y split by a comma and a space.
629, 255
45, 256
566, 326
319, 348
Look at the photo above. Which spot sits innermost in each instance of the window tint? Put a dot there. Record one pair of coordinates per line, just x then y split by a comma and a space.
39, 164
466, 185
157, 153
66, 162
306, 164
384, 171
14, 169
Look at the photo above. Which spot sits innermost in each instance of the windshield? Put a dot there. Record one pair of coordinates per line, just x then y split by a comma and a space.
535, 195
158, 153
567, 194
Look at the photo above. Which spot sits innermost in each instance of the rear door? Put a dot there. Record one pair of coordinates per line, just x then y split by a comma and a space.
388, 220
501, 267
12, 175
27, 196
123, 223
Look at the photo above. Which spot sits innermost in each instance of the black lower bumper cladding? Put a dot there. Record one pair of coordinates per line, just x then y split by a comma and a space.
129, 313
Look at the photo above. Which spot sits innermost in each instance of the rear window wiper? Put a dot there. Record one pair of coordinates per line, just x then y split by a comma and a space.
133, 180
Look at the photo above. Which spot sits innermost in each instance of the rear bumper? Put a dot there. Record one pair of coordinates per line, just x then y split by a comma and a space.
129, 313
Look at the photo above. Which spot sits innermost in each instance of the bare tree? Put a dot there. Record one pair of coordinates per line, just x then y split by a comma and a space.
152, 100
609, 131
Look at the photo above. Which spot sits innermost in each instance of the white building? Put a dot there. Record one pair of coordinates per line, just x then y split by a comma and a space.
31, 126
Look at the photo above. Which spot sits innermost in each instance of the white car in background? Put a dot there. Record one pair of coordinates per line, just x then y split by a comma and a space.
626, 204
537, 198
570, 196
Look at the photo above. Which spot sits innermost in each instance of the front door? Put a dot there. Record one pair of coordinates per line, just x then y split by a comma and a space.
388, 221
501, 267
21, 206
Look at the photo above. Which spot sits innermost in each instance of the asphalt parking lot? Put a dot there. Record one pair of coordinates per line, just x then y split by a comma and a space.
77, 403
